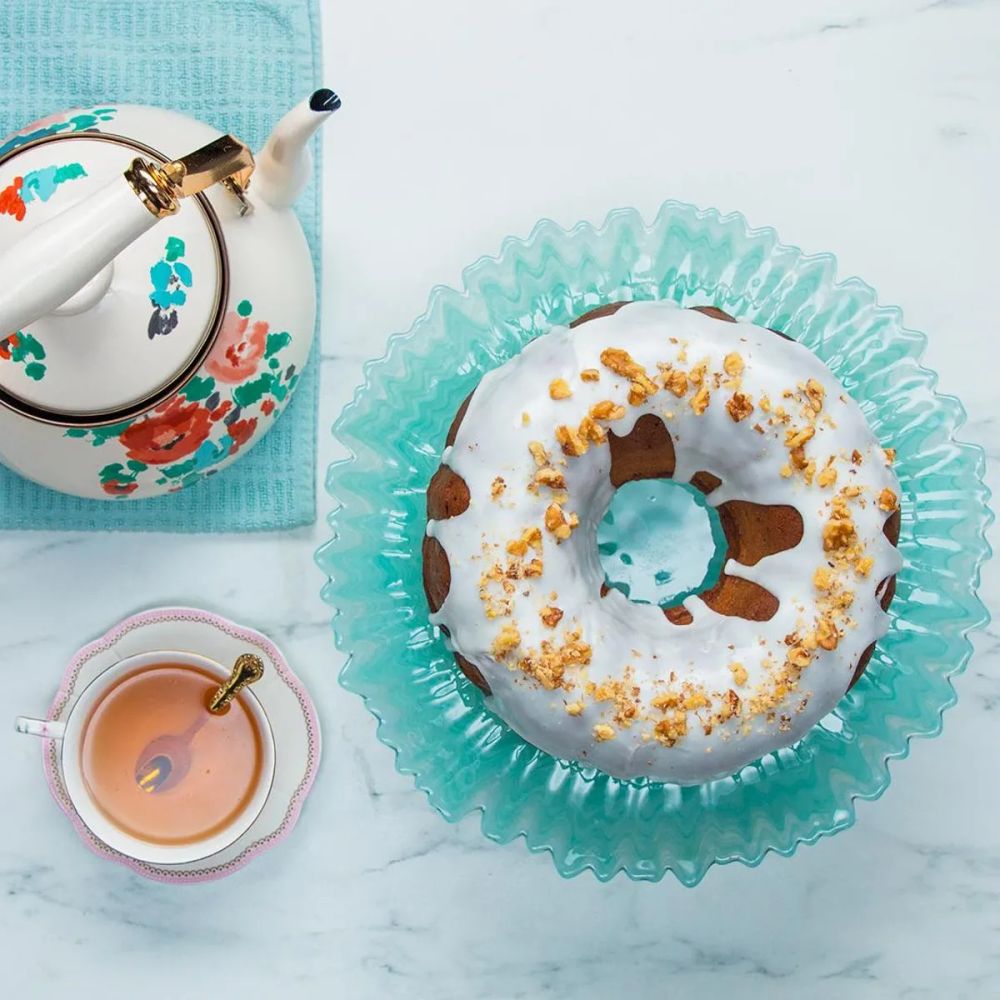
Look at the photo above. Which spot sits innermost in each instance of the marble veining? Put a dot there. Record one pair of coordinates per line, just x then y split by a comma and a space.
865, 129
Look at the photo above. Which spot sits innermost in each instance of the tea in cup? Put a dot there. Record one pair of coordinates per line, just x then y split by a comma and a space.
166, 756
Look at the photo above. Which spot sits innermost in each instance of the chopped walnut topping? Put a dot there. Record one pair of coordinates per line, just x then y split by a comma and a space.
606, 410
799, 656
730, 707
676, 381
558, 523
602, 732
827, 635
638, 393
838, 533
739, 673
509, 638
590, 375
856, 457
890, 455
591, 430
559, 389
815, 393
888, 500
533, 568
622, 363
497, 487
797, 437
697, 374
548, 665
823, 579
765, 403
574, 708
732, 364
550, 616
539, 454
786, 471
827, 476
864, 565
525, 418
759, 429
739, 405
700, 400
530, 537
571, 441
550, 477
624, 695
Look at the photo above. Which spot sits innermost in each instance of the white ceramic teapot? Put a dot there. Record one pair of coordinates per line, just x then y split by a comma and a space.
156, 304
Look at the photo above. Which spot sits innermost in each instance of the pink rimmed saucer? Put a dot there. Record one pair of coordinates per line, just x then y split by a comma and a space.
286, 703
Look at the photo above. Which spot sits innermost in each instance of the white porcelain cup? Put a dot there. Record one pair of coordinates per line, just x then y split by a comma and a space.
70, 734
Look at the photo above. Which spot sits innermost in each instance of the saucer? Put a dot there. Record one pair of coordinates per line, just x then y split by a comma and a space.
288, 707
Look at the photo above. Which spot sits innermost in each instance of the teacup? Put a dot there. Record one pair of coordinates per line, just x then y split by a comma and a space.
90, 728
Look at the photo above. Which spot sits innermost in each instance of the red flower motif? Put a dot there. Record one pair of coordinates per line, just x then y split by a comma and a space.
10, 200
241, 431
238, 350
172, 431
118, 487
222, 409
267, 407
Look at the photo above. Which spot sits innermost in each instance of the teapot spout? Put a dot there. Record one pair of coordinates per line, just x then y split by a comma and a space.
284, 164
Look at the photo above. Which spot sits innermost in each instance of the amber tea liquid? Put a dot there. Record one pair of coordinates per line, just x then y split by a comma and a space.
226, 755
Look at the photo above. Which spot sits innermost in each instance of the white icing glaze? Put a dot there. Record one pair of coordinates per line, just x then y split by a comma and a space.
493, 441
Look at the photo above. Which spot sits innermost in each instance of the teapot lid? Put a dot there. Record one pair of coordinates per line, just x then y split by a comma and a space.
137, 331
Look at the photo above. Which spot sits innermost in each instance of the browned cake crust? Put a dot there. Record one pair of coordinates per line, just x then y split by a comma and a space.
752, 530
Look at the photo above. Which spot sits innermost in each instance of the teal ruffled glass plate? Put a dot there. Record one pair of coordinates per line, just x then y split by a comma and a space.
465, 758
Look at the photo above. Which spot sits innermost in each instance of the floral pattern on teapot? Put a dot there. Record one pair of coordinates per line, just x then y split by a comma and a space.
80, 121
243, 383
37, 185
22, 348
169, 276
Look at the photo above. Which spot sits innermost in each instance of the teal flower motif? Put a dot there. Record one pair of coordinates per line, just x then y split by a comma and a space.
169, 277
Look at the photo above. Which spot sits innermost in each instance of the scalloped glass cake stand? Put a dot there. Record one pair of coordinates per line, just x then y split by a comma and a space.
462, 755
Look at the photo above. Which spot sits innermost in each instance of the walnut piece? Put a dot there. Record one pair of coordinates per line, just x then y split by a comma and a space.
676, 381
888, 500
507, 639
732, 364
553, 478
551, 616
740, 406
700, 400
827, 476
607, 410
571, 441
559, 389
538, 453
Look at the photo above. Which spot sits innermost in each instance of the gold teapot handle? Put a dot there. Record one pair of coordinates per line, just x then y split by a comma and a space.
225, 160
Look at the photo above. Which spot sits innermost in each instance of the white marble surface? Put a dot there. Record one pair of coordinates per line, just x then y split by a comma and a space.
866, 128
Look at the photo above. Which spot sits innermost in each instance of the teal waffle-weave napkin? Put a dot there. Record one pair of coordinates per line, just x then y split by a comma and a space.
239, 66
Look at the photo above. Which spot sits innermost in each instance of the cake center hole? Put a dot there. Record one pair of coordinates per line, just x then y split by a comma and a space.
660, 542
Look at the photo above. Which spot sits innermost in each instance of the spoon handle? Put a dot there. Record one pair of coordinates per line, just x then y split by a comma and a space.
247, 669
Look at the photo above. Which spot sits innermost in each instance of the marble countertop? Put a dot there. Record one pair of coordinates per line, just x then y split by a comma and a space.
868, 129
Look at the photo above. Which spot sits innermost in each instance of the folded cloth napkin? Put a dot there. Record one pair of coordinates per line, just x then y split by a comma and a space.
238, 66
